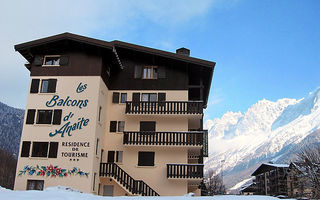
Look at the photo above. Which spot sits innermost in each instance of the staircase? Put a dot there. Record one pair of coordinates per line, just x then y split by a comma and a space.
137, 187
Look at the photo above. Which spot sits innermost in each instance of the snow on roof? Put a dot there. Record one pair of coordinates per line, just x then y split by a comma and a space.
276, 165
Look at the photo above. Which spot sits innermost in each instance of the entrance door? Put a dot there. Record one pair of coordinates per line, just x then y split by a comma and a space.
110, 156
108, 190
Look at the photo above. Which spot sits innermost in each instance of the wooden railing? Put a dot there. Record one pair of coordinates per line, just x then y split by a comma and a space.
165, 107
185, 171
138, 187
193, 138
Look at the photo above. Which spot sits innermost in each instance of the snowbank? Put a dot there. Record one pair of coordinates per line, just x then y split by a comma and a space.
58, 193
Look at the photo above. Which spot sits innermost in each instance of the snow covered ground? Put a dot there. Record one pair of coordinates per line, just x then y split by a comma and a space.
57, 193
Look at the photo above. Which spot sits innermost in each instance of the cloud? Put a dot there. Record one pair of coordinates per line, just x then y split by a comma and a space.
131, 20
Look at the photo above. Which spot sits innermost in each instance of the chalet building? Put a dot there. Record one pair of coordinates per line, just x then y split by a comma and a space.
270, 179
250, 189
298, 183
113, 118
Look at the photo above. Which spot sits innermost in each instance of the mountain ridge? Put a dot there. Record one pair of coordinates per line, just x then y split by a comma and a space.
266, 131
11, 121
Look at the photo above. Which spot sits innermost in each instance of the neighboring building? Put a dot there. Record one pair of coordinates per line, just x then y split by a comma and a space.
250, 189
299, 184
270, 179
113, 118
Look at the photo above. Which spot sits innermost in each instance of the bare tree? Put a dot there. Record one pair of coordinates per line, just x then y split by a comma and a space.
214, 184
310, 159
8, 166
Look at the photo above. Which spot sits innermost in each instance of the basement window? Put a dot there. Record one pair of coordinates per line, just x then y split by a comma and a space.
51, 61
35, 184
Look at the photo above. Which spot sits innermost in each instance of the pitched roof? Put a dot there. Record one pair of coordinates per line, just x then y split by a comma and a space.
23, 48
268, 166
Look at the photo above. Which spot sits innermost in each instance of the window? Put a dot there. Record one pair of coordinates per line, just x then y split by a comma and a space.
99, 114
113, 126
94, 181
150, 72
119, 156
148, 126
40, 149
44, 117
145, 158
115, 156
121, 126
97, 146
25, 149
51, 61
149, 97
35, 184
48, 85
49, 117
123, 97
115, 97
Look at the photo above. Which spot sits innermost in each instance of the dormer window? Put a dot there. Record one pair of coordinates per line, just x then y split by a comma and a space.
150, 72
51, 61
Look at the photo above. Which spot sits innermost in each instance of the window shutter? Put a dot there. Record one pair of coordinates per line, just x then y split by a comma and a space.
115, 97
135, 99
57, 117
113, 126
137, 71
25, 151
34, 86
30, 116
162, 99
161, 72
52, 85
53, 150
38, 60
64, 60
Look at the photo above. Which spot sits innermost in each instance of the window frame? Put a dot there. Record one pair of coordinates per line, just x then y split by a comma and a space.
123, 100
37, 119
51, 56
149, 97
151, 72
36, 154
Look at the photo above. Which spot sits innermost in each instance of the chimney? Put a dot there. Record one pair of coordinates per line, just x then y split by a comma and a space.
183, 51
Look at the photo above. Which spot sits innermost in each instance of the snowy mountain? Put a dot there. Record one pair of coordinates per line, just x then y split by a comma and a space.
267, 131
11, 120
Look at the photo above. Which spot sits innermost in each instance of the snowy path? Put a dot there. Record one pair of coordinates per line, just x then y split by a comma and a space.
56, 193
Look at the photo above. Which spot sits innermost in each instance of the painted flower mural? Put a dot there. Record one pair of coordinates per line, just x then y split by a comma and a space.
51, 171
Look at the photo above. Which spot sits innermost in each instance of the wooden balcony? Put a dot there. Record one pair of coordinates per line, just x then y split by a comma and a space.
165, 107
185, 171
190, 138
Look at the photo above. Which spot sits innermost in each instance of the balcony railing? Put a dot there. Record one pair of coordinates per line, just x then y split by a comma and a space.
192, 138
185, 171
165, 107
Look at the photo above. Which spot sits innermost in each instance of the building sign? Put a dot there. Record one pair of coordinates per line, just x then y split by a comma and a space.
71, 123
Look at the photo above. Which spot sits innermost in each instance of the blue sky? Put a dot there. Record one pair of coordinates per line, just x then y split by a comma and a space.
264, 49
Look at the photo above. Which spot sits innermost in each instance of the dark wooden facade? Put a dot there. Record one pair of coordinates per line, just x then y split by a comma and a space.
270, 179
91, 57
